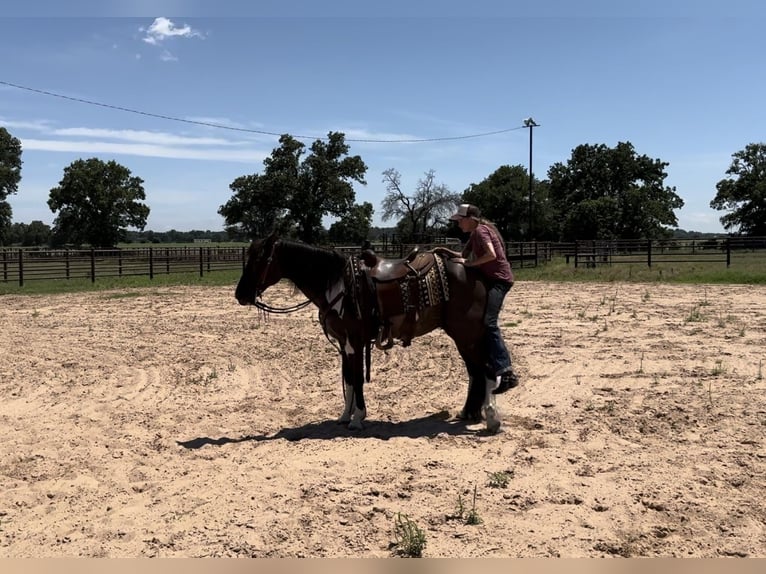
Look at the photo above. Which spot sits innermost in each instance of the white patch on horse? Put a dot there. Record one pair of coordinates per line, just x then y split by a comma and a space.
349, 406
491, 413
348, 348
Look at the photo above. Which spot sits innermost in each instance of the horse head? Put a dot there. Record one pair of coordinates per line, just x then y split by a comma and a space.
261, 270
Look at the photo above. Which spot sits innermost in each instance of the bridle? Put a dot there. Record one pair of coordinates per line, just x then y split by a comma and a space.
258, 292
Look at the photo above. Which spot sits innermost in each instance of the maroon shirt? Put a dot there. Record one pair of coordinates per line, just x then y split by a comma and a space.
498, 269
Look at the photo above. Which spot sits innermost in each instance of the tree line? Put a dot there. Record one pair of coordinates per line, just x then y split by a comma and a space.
600, 192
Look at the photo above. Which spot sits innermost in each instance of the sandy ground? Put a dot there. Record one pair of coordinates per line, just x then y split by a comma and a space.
173, 422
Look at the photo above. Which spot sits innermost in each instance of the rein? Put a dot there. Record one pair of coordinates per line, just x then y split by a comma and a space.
281, 310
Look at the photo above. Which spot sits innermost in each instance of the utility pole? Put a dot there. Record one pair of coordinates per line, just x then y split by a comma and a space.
530, 123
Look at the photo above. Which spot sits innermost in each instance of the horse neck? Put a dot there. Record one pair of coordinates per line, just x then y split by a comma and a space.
310, 269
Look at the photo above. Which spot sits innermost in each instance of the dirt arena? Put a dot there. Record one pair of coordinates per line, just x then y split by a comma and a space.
172, 422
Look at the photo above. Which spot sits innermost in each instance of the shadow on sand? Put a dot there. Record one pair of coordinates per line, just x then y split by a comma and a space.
428, 426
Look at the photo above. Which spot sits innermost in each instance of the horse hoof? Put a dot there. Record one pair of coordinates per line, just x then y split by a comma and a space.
493, 422
355, 425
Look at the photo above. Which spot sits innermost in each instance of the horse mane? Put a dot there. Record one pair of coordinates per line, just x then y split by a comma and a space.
305, 264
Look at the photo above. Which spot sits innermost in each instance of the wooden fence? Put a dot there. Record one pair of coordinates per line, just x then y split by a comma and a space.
21, 265
651, 252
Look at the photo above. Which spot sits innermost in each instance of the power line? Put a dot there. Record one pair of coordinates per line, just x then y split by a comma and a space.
247, 130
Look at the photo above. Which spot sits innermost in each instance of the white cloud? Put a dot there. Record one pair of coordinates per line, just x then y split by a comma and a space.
166, 56
145, 149
163, 28
139, 136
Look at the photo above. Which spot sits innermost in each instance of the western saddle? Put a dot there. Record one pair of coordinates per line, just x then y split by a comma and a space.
403, 287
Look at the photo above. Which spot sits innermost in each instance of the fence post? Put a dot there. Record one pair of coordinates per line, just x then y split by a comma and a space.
536, 253
244, 258
21, 267
576, 253
649, 252
201, 262
92, 265
208, 260
5, 265
167, 260
119, 261
728, 252
151, 263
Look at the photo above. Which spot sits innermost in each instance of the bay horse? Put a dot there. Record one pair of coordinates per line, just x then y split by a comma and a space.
347, 292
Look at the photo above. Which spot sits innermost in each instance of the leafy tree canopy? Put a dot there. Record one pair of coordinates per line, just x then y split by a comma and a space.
295, 192
503, 198
353, 227
422, 212
96, 202
35, 233
612, 193
743, 193
10, 176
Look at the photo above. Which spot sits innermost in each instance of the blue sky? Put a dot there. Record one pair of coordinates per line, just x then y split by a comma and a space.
682, 81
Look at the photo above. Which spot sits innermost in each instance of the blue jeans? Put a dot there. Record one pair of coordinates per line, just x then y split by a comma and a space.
499, 359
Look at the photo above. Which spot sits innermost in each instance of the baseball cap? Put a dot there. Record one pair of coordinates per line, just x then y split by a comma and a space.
465, 210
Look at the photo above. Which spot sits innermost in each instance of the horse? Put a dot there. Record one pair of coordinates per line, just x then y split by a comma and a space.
347, 292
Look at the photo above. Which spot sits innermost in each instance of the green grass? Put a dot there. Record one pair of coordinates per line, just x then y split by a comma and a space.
743, 270
49, 287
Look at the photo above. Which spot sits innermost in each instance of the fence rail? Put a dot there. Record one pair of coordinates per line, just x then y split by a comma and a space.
21, 265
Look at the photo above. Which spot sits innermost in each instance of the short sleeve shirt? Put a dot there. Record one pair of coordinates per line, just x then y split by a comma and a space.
498, 269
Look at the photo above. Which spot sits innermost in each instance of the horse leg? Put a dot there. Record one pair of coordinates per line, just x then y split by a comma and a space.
355, 410
477, 391
491, 414
348, 390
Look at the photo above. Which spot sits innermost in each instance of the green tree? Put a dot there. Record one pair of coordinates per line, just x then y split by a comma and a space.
296, 191
743, 193
354, 226
96, 202
503, 198
10, 176
421, 213
257, 207
35, 234
612, 193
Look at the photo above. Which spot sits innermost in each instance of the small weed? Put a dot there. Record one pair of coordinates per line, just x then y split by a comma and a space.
410, 538
694, 316
499, 479
646, 296
641, 364
201, 379
759, 377
718, 369
35, 314
473, 517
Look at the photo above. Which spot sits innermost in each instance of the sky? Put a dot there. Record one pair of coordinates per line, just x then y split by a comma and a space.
191, 95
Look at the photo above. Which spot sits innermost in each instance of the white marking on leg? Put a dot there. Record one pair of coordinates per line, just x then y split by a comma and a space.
349, 406
489, 406
357, 418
